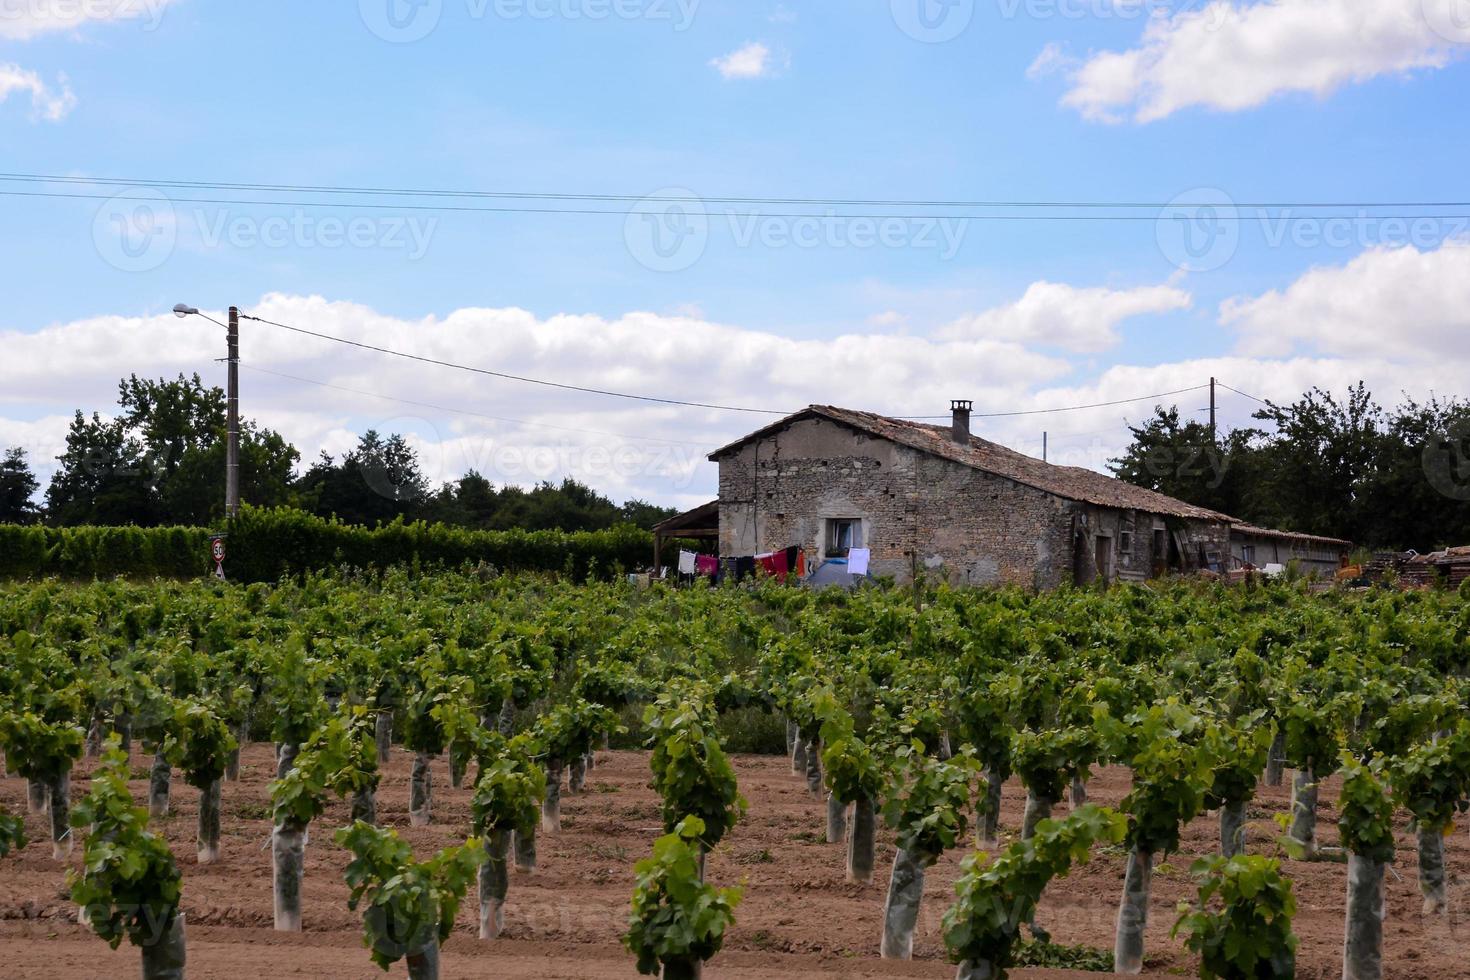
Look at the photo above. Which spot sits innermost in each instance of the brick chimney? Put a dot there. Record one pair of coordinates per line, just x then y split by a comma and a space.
959, 429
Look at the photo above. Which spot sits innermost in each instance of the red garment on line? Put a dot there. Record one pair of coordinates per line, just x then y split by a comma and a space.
773, 564
706, 564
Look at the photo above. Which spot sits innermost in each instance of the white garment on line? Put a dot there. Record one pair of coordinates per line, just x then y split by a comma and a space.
857, 561
686, 563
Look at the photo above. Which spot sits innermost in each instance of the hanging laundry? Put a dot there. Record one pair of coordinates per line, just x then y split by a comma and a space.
793, 560
706, 564
857, 561
744, 568
686, 563
772, 563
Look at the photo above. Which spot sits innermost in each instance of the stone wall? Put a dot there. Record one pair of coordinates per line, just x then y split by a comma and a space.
966, 526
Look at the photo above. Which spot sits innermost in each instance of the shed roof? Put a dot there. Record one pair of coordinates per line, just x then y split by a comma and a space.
705, 517
1266, 532
1068, 482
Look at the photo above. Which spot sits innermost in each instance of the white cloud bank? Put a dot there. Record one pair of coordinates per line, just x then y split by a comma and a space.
21, 20
1054, 314
1395, 318
753, 60
50, 104
1402, 304
1231, 55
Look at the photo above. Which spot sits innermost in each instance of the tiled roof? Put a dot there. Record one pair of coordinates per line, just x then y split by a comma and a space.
1068, 482
1266, 532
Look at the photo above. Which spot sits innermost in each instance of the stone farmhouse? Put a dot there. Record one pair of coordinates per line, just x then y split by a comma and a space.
938, 499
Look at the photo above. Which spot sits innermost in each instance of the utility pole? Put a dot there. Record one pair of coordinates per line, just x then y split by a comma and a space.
232, 416
1043, 446
1212, 411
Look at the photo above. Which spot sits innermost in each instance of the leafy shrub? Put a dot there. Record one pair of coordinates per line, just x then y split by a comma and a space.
128, 884
676, 916
1248, 937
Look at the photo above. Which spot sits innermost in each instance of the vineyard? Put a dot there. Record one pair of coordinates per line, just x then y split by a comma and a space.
473, 774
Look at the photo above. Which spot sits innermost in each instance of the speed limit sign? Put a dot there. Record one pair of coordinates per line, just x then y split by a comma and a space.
217, 552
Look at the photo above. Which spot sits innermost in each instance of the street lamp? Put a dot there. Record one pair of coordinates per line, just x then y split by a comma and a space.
232, 403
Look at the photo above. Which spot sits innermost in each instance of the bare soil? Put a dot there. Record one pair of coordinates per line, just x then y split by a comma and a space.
799, 918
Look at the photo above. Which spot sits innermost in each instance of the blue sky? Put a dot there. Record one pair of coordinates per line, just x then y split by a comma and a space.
1047, 100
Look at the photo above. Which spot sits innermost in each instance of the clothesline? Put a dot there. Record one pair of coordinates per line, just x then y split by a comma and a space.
778, 564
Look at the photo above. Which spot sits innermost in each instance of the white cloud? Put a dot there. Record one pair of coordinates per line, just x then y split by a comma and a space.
548, 433
1052, 59
1398, 303
21, 20
524, 433
1082, 320
1233, 55
50, 104
754, 60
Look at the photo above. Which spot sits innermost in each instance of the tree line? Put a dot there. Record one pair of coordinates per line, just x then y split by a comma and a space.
161, 460
1344, 467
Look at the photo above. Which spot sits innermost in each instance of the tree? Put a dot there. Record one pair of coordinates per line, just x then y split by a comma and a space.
473, 500
17, 486
1341, 466
1421, 495
162, 459
1182, 459
100, 479
1321, 463
378, 481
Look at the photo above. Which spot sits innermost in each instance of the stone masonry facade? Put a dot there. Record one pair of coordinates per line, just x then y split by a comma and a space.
949, 520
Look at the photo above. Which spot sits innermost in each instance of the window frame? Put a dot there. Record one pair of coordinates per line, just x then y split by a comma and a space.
830, 546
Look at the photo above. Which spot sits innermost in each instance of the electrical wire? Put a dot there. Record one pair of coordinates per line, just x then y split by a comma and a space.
566, 196
1239, 392
1069, 408
824, 215
463, 411
513, 377
672, 401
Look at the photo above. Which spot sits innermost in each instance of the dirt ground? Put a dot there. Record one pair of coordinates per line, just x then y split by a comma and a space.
799, 918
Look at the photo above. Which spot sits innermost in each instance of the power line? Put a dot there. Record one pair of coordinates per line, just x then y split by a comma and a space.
512, 377
1068, 408
658, 400
824, 215
714, 199
1246, 394
463, 411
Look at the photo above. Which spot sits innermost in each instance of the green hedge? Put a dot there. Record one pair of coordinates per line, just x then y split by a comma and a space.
264, 545
33, 551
